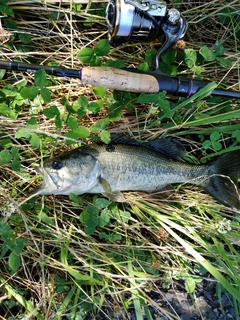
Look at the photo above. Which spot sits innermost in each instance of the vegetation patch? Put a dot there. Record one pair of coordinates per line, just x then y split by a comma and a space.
86, 257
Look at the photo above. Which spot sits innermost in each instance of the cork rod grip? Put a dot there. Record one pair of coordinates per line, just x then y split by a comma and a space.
118, 79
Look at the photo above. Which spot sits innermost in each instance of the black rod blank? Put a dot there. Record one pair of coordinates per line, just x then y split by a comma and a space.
27, 67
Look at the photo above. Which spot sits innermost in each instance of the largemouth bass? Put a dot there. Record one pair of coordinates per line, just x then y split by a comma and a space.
126, 165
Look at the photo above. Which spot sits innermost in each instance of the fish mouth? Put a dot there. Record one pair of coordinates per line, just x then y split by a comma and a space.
49, 183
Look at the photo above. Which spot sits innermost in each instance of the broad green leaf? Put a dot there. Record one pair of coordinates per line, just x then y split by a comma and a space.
165, 106
22, 133
115, 63
10, 23
169, 57
72, 122
100, 125
83, 102
236, 134
81, 112
16, 164
105, 136
58, 122
150, 55
79, 133
20, 244
173, 70
10, 91
216, 145
207, 53
17, 102
214, 136
82, 132
148, 98
101, 203
90, 216
143, 66
104, 218
116, 237
73, 137
190, 57
4, 108
51, 112
6, 111
35, 140
206, 144
15, 151
40, 78
75, 199
77, 7
90, 226
198, 70
85, 55
92, 210
115, 112
125, 215
102, 47
103, 235
169, 69
14, 261
7, 10
29, 92
32, 123
224, 62
25, 38
84, 216
190, 285
2, 73
95, 106
219, 49
96, 61
6, 142
5, 157
100, 92
45, 94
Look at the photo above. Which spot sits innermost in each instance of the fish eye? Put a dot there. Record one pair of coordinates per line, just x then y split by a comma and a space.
57, 165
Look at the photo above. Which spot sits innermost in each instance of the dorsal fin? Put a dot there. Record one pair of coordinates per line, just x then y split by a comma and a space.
171, 148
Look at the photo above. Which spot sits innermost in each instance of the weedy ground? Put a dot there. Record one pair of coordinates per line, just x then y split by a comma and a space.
72, 257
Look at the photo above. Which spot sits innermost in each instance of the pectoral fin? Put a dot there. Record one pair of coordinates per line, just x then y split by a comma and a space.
116, 196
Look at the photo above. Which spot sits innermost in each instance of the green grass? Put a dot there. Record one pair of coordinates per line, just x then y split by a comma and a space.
72, 256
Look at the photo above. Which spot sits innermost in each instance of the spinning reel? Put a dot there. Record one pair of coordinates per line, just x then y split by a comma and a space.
144, 21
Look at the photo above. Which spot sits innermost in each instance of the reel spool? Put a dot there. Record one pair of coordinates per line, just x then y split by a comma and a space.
144, 21
133, 21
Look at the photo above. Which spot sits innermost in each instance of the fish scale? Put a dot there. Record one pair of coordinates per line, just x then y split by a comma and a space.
142, 169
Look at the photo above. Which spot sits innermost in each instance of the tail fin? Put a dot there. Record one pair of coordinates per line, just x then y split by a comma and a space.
223, 182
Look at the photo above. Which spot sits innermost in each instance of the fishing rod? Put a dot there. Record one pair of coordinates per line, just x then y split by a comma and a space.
123, 80
136, 21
